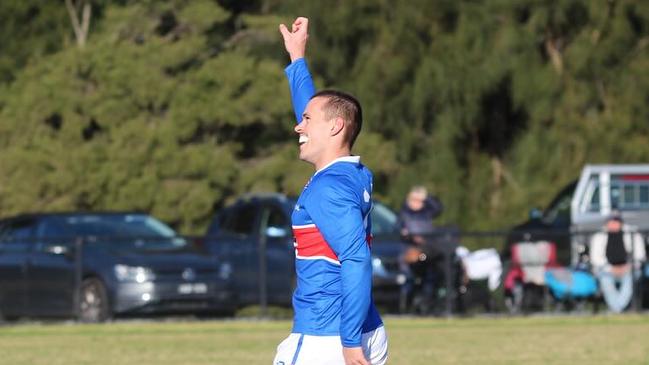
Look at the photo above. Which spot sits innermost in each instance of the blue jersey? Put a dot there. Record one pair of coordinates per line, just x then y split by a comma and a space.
331, 224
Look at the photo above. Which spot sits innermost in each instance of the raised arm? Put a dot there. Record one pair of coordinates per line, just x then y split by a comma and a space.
300, 81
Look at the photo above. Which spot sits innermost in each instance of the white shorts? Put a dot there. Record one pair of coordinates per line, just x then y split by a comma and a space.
299, 349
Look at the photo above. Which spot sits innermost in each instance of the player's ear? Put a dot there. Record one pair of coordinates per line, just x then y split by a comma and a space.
337, 126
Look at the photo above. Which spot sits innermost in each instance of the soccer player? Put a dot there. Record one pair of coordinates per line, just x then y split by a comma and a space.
335, 319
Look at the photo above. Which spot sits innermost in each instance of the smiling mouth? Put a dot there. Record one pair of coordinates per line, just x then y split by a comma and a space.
303, 139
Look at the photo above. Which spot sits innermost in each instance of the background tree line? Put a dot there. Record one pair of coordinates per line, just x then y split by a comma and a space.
176, 107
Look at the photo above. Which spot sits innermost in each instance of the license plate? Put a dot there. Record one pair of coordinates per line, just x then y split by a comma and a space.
192, 288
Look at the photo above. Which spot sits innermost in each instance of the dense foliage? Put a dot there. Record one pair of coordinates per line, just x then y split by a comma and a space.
175, 107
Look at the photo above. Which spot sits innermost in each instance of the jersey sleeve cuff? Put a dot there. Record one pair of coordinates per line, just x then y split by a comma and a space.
295, 65
347, 343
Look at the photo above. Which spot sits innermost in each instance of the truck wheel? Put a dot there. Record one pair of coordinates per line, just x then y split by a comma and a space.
93, 302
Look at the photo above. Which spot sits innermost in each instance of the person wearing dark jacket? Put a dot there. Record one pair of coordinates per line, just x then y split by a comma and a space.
423, 260
417, 214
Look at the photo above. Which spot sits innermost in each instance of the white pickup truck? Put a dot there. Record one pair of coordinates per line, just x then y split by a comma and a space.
603, 188
583, 206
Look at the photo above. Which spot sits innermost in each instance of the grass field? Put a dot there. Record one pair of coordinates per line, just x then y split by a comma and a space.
534, 340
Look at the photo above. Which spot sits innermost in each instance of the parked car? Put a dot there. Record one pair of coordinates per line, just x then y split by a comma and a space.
96, 265
582, 206
262, 222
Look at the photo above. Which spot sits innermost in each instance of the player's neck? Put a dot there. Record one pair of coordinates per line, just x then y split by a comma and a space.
331, 157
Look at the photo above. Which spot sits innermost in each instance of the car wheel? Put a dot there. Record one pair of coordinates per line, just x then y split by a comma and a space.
93, 301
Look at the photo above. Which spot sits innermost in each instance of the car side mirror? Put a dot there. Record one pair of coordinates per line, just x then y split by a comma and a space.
276, 232
535, 214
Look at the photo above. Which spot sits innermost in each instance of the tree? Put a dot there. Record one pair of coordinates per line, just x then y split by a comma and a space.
176, 107
28, 29
80, 13
144, 117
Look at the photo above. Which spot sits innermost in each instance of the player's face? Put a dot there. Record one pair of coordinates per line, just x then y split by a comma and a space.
314, 131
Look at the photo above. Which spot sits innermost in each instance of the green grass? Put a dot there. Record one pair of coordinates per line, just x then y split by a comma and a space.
535, 340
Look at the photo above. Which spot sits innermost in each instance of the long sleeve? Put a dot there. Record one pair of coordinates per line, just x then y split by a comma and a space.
301, 85
598, 251
435, 205
640, 254
634, 239
339, 216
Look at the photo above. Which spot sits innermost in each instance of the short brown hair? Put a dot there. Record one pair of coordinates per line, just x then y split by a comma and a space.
345, 106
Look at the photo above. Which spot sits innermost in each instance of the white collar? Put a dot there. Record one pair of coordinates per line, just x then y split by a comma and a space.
352, 159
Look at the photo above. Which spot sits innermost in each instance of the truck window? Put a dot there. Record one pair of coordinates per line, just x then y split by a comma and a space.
52, 229
277, 218
592, 195
277, 224
3, 227
644, 195
17, 236
630, 192
241, 221
629, 195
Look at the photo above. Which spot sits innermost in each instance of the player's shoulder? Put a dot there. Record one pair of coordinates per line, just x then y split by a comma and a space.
346, 170
334, 180
343, 175
340, 183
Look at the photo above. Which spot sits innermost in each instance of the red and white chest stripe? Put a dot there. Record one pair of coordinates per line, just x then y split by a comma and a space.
311, 245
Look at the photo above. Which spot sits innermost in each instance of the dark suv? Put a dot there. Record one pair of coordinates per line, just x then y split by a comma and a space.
257, 223
94, 265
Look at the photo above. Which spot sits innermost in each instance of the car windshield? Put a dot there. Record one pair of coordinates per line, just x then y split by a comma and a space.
384, 220
139, 230
558, 212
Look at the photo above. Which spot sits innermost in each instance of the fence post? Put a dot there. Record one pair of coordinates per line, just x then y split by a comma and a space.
78, 275
634, 301
263, 275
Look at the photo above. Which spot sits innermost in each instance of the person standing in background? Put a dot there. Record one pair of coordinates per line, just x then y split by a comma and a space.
417, 214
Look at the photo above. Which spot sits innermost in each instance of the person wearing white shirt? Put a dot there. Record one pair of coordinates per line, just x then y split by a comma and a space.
614, 252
